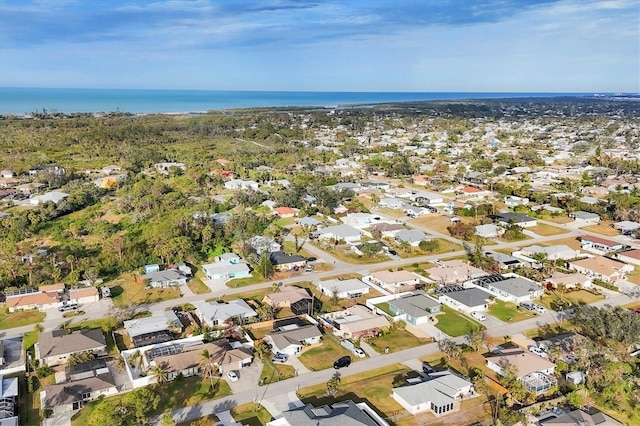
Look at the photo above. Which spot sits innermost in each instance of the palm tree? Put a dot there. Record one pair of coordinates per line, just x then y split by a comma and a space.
136, 359
159, 374
207, 367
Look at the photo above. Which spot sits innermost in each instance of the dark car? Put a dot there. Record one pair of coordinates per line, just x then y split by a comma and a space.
393, 252
311, 259
427, 368
345, 361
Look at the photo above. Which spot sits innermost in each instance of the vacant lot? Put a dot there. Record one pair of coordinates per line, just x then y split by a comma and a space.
272, 373
509, 312
329, 304
396, 340
439, 223
19, 319
546, 230
577, 297
602, 228
251, 414
126, 291
454, 323
323, 355
197, 286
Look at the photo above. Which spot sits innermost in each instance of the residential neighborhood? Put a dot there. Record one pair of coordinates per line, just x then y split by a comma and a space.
383, 267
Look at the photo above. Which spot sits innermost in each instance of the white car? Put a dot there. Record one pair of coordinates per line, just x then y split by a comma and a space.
359, 353
540, 309
232, 376
479, 316
538, 351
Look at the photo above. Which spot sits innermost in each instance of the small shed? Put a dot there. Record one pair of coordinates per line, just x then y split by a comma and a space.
148, 269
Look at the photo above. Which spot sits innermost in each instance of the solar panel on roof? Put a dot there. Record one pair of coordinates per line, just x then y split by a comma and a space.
21, 291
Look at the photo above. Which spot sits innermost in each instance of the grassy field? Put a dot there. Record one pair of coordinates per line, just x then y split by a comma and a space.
126, 291
509, 312
438, 223
547, 230
255, 278
344, 254
272, 373
323, 355
396, 340
557, 219
197, 286
577, 297
256, 295
346, 276
632, 305
178, 393
602, 228
454, 323
251, 414
373, 387
19, 319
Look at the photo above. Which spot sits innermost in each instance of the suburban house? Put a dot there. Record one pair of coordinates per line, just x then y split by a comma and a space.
285, 212
626, 227
282, 261
8, 401
439, 393
342, 232
629, 256
454, 272
396, 281
602, 268
504, 261
55, 347
166, 167
188, 360
599, 245
214, 314
522, 220
489, 231
343, 289
295, 298
392, 203
576, 280
54, 197
415, 309
308, 222
261, 244
45, 297
164, 279
586, 416
355, 322
82, 295
411, 236
154, 329
427, 198
360, 220
227, 266
64, 397
511, 288
584, 218
347, 413
514, 201
239, 184
555, 252
464, 299
388, 230
535, 372
291, 340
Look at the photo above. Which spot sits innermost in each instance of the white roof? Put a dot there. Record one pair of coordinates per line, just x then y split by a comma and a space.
225, 268
353, 284
159, 321
222, 311
54, 196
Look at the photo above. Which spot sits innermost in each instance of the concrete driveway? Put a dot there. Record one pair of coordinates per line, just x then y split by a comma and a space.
248, 377
63, 419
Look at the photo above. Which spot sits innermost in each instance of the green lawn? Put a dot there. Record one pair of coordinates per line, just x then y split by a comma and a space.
374, 387
29, 403
547, 230
197, 286
176, 394
323, 355
243, 282
272, 373
384, 306
454, 323
509, 312
126, 291
20, 319
553, 299
256, 295
396, 340
251, 414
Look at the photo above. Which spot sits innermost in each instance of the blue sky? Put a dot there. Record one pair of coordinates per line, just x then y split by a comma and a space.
325, 45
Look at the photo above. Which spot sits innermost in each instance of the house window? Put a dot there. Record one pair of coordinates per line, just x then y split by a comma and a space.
86, 396
355, 295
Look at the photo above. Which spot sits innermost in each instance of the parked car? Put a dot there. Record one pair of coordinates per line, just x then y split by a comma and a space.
427, 368
479, 316
309, 268
311, 259
527, 305
345, 361
359, 353
538, 351
539, 309
68, 307
232, 376
438, 262
393, 252
280, 358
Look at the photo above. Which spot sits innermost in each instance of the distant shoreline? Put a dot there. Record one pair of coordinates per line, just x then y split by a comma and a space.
25, 101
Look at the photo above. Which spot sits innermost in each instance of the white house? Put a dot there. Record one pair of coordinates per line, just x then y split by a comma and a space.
343, 289
510, 288
582, 217
214, 314
292, 341
54, 196
440, 393
345, 233
239, 184
489, 231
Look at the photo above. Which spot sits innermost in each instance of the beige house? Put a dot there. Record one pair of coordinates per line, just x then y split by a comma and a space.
72, 396
287, 297
55, 347
44, 298
535, 372
569, 280
454, 272
602, 268
356, 322
84, 295
396, 281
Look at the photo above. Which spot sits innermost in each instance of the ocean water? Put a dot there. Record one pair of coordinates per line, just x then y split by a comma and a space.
15, 100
